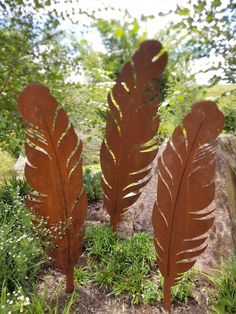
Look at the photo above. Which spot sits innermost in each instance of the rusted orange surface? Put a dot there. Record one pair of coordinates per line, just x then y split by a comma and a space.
185, 188
54, 171
132, 122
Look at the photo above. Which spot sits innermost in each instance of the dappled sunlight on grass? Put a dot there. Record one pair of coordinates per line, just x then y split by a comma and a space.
6, 165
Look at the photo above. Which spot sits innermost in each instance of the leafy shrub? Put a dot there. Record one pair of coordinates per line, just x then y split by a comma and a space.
230, 118
11, 132
224, 281
92, 178
20, 250
127, 265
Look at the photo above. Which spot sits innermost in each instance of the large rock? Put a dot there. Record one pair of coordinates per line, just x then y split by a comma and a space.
222, 236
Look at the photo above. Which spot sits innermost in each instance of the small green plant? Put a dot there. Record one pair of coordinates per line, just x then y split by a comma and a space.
127, 266
99, 241
11, 187
92, 178
184, 288
224, 281
43, 303
82, 276
21, 301
151, 292
14, 302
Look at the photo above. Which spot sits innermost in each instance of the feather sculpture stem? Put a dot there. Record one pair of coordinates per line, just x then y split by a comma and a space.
167, 295
70, 280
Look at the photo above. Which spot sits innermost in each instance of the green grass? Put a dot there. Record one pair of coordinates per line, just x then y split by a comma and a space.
224, 281
126, 266
218, 90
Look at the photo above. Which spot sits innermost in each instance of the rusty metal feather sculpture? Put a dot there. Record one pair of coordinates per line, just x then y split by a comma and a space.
54, 171
132, 122
185, 188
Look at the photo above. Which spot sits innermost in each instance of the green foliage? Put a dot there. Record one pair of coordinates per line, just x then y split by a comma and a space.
229, 112
43, 303
11, 132
120, 39
31, 50
181, 95
184, 288
92, 182
12, 186
99, 241
15, 302
224, 281
151, 292
21, 254
6, 165
198, 32
82, 276
122, 265
21, 301
225, 97
164, 132
127, 266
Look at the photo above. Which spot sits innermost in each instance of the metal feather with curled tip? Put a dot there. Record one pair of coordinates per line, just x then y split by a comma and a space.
132, 122
186, 187
54, 171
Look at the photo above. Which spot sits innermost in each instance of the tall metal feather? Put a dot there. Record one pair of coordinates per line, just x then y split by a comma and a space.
54, 171
186, 187
132, 123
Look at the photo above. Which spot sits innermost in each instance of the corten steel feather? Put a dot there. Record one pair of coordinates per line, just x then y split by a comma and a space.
132, 122
186, 187
54, 171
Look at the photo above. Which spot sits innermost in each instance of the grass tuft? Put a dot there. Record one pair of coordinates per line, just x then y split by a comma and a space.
126, 266
224, 282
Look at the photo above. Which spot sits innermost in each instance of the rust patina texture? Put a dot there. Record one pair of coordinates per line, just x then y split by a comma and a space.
54, 171
186, 187
132, 122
